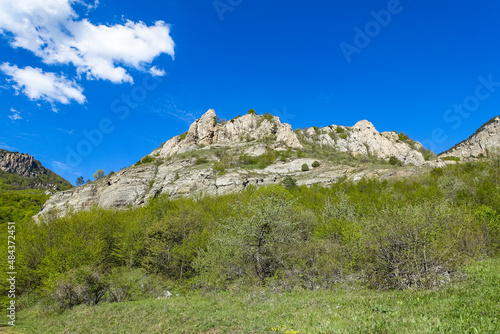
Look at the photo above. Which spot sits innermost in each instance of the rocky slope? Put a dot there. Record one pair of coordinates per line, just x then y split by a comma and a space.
487, 137
22, 171
215, 158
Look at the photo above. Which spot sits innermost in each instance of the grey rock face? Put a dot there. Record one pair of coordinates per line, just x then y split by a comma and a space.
206, 131
487, 137
176, 171
364, 139
20, 164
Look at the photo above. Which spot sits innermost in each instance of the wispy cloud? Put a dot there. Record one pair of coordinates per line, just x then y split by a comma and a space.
60, 167
7, 147
15, 115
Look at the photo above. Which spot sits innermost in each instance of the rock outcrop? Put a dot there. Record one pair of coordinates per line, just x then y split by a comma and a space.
215, 158
364, 139
208, 131
20, 164
30, 174
485, 139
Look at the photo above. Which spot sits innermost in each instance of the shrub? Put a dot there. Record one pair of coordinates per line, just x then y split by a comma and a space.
343, 135
183, 136
251, 112
339, 130
269, 117
219, 168
255, 243
394, 161
289, 182
83, 285
201, 161
315, 164
457, 159
145, 160
305, 168
416, 246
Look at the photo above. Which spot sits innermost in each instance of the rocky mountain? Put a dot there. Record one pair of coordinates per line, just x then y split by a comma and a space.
22, 171
217, 157
486, 138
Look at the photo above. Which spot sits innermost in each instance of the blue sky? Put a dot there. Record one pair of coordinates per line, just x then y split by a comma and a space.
86, 85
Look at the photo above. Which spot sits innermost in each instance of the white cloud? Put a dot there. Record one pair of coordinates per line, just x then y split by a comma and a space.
52, 30
15, 115
156, 72
37, 85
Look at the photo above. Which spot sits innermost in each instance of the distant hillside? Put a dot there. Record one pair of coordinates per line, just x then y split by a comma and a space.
19, 171
485, 139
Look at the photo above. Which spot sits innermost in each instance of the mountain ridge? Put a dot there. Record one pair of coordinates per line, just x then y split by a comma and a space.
20, 171
216, 157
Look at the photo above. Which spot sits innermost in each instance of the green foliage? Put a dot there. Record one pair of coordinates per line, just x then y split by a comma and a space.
11, 181
219, 168
99, 174
255, 244
392, 234
315, 164
465, 306
259, 162
394, 161
457, 159
343, 135
251, 112
80, 181
403, 136
289, 183
16, 205
339, 130
183, 135
201, 161
268, 116
305, 168
145, 160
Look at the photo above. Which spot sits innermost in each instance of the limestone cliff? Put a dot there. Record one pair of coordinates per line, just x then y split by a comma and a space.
485, 139
22, 171
215, 158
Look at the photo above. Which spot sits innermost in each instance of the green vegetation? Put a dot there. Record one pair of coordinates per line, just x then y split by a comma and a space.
201, 161
394, 161
145, 160
15, 205
315, 164
251, 112
99, 174
183, 135
305, 167
457, 159
10, 181
373, 256
467, 306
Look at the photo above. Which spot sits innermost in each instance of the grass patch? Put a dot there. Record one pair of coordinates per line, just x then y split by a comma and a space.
471, 305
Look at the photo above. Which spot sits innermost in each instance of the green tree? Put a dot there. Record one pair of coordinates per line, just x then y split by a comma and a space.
305, 167
99, 174
80, 181
255, 242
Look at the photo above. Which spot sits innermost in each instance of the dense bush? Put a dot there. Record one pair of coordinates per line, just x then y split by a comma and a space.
404, 233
